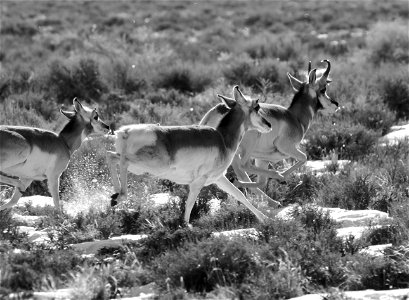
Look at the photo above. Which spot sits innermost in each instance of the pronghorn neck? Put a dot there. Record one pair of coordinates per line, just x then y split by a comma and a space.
303, 109
72, 134
231, 128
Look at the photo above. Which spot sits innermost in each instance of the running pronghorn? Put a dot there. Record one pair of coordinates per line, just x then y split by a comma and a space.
193, 155
289, 126
28, 153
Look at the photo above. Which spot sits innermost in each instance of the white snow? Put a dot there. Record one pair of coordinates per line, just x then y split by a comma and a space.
34, 236
132, 237
397, 294
318, 166
356, 231
41, 201
246, 232
94, 246
375, 250
160, 199
346, 218
26, 220
398, 133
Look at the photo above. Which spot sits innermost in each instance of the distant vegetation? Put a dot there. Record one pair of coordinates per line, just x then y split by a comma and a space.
164, 62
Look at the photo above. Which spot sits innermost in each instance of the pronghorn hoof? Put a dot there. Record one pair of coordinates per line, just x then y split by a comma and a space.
113, 199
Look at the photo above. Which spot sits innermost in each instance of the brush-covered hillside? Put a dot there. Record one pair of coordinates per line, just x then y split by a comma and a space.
165, 62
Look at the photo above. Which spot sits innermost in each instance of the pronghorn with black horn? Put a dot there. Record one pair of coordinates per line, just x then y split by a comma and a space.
193, 155
28, 153
289, 126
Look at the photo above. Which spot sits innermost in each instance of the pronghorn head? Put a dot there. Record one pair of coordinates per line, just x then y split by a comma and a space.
87, 119
315, 88
254, 118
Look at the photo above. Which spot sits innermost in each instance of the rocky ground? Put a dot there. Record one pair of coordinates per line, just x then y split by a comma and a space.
351, 223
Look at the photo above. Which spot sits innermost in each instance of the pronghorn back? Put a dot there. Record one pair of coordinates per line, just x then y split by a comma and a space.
172, 150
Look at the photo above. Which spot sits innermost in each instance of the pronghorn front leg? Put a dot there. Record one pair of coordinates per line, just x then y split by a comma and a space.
20, 186
229, 188
53, 182
194, 190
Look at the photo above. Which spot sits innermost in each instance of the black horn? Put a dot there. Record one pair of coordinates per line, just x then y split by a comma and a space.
309, 67
326, 73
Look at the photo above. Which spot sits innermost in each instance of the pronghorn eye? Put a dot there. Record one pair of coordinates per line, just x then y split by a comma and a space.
96, 117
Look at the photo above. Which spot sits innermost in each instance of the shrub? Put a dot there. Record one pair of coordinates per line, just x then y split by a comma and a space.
375, 116
82, 80
164, 239
170, 96
350, 142
252, 74
283, 47
13, 112
383, 273
388, 41
127, 77
19, 28
184, 78
349, 191
205, 264
29, 270
394, 91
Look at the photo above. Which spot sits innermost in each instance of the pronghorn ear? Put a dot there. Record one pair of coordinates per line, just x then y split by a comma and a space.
77, 104
238, 96
229, 102
68, 114
295, 83
312, 76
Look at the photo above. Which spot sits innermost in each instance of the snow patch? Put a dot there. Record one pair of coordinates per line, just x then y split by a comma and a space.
319, 166
375, 250
161, 199
346, 218
26, 220
131, 237
398, 134
33, 235
397, 294
245, 232
41, 201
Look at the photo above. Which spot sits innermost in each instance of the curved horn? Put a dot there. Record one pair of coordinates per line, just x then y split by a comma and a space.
326, 73
309, 67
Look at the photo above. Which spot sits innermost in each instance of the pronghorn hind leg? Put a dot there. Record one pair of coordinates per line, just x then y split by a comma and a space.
194, 190
229, 188
245, 181
113, 161
20, 186
299, 156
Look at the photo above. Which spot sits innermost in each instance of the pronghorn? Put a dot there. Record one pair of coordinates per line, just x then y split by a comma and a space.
289, 126
193, 155
28, 153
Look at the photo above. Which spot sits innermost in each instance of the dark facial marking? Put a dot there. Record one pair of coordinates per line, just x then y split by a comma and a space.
257, 107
